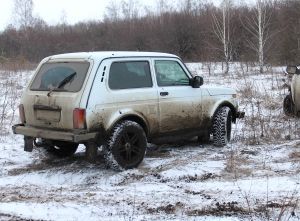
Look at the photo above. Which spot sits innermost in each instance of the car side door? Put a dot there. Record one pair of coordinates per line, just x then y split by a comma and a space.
129, 91
179, 103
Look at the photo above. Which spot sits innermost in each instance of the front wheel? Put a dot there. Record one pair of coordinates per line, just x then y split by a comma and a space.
126, 146
221, 127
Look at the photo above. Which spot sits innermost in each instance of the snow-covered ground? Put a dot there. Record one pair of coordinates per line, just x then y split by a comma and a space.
256, 177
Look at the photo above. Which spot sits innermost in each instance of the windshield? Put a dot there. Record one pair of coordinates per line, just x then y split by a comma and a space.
67, 76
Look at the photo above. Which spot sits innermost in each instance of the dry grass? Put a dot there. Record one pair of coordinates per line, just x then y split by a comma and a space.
295, 155
11, 88
265, 120
16, 65
235, 164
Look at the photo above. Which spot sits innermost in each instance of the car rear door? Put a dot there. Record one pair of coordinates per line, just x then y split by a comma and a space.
54, 92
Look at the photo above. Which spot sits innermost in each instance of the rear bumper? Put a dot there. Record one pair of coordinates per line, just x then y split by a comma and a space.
76, 136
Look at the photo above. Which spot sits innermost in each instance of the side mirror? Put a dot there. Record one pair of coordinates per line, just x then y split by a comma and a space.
292, 70
196, 81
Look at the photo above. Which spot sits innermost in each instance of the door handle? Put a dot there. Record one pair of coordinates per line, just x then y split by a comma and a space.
164, 93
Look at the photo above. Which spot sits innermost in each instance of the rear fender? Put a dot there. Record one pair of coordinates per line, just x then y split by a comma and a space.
127, 114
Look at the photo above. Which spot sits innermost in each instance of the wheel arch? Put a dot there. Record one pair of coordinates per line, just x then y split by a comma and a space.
132, 117
226, 104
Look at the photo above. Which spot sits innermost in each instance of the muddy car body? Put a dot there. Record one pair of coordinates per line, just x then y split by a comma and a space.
291, 103
121, 101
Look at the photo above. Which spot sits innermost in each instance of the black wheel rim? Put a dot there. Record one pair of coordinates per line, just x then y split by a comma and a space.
129, 148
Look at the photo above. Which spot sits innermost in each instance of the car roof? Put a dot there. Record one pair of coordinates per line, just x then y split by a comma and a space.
100, 55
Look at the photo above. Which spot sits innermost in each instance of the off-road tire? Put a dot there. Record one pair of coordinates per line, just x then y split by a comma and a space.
288, 106
221, 127
62, 148
126, 146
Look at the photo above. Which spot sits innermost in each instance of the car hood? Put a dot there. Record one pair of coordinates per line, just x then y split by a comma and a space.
215, 90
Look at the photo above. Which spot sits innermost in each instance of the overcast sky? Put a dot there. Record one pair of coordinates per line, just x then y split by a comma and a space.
52, 11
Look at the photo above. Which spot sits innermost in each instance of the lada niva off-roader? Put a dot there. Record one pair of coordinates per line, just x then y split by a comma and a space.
120, 101
291, 103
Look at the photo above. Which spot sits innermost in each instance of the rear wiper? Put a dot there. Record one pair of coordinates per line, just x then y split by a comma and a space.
62, 83
66, 80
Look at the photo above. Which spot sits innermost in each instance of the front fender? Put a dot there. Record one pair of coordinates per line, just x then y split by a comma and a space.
231, 103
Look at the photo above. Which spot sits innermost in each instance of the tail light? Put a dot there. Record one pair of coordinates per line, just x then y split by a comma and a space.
22, 114
79, 118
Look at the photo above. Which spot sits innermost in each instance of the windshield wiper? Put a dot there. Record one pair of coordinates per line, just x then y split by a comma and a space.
62, 83
66, 80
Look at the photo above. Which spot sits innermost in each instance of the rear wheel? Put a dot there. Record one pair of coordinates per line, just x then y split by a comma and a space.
288, 106
222, 126
126, 146
62, 148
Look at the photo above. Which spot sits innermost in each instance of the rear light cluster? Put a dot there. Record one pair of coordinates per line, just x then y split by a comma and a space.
22, 114
79, 121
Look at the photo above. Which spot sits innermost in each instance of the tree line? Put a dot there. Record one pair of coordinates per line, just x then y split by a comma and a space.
194, 30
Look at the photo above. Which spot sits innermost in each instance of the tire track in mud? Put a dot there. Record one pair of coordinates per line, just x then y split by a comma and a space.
92, 189
9, 217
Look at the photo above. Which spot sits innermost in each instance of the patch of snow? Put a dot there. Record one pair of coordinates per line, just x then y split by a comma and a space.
176, 182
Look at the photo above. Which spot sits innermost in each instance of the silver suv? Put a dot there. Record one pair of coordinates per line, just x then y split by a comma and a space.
120, 101
291, 103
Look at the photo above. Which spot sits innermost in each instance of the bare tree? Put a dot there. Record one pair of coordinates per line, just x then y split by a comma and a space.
112, 11
23, 13
180, 27
258, 26
221, 27
162, 6
126, 9
130, 9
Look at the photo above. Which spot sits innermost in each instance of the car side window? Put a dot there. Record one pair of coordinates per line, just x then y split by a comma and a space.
170, 73
129, 74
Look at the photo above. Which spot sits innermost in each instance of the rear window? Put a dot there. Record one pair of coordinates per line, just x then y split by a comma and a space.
68, 76
129, 74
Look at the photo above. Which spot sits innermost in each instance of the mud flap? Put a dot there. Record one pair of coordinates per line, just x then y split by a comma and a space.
28, 144
91, 152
